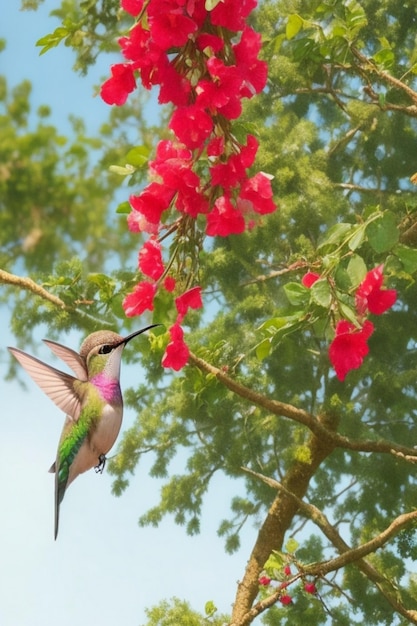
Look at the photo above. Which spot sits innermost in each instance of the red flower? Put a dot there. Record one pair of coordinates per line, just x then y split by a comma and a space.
152, 201
287, 570
253, 71
177, 352
264, 580
215, 147
257, 190
205, 40
133, 7
232, 172
224, 219
349, 347
174, 88
232, 14
309, 279
222, 91
122, 82
169, 283
147, 58
191, 299
150, 259
192, 125
140, 300
170, 29
285, 599
369, 295
137, 223
310, 588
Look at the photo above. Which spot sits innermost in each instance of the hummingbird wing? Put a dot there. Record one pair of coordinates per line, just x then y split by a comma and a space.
70, 357
58, 386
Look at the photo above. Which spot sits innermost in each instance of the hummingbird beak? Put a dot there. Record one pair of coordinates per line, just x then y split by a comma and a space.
137, 332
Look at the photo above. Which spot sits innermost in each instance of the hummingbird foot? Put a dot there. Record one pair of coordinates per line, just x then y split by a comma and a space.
99, 468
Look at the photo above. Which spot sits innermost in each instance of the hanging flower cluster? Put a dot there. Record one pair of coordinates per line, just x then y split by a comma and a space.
204, 62
349, 346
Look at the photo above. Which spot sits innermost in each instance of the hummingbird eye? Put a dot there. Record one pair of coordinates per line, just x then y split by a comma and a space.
105, 349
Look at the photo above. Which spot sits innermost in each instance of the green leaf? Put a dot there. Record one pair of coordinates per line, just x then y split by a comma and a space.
127, 170
335, 235
263, 349
53, 39
291, 545
124, 208
356, 270
276, 561
384, 58
211, 4
407, 256
138, 157
294, 25
383, 233
210, 608
297, 294
357, 238
348, 313
321, 294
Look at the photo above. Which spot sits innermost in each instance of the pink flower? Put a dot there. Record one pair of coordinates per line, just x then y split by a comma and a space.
369, 295
140, 300
224, 219
122, 82
349, 347
264, 580
310, 278
177, 353
190, 299
150, 259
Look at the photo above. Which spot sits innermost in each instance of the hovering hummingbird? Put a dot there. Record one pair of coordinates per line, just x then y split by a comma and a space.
92, 402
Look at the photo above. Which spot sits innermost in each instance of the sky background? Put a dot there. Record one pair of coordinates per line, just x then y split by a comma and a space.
103, 569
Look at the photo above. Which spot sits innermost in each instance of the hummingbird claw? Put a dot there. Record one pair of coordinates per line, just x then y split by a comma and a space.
99, 468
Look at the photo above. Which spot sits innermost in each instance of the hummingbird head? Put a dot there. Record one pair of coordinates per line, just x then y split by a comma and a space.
102, 351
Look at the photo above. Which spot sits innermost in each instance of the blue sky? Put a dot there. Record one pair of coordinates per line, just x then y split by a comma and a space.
103, 569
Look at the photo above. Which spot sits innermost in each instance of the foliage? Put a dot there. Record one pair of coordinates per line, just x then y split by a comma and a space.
326, 461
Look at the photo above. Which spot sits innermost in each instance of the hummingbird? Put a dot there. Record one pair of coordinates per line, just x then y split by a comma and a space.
92, 401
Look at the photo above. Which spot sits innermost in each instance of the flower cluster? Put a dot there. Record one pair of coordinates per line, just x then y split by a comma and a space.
349, 346
283, 581
204, 62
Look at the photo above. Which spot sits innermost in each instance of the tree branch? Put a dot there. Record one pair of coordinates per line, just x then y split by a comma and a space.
386, 77
347, 556
28, 284
303, 417
279, 517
